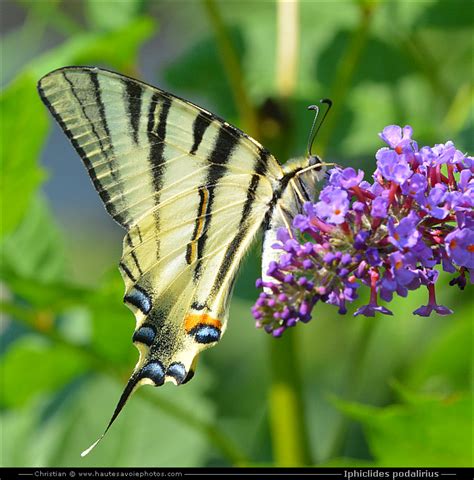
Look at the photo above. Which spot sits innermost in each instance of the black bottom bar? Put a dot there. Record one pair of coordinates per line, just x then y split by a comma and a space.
241, 473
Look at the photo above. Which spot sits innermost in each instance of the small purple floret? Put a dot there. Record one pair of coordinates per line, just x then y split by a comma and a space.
460, 247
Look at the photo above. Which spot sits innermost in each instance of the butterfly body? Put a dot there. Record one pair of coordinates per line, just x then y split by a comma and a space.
191, 191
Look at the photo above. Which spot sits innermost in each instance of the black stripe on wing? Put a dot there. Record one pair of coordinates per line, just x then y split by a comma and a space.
132, 253
191, 249
127, 272
277, 195
244, 225
133, 100
106, 150
223, 148
200, 125
96, 182
156, 139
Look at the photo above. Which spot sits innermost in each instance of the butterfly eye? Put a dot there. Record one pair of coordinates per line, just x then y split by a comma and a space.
314, 160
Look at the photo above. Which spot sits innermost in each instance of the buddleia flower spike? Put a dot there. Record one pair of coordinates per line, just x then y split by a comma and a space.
389, 234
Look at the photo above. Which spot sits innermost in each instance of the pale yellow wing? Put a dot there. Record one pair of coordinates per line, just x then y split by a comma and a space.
191, 191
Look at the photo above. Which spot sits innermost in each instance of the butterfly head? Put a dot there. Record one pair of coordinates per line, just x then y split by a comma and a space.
313, 168
314, 161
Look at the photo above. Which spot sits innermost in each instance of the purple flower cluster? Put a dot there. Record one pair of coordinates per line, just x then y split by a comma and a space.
388, 235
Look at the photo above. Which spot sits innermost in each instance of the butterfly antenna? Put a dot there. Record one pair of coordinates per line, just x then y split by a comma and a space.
311, 133
129, 388
315, 129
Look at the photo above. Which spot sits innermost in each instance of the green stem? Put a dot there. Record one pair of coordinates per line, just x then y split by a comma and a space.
233, 69
353, 382
288, 430
99, 363
287, 41
287, 426
460, 109
345, 72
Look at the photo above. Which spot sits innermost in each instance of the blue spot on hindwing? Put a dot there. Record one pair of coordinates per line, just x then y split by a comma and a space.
206, 333
140, 299
154, 371
145, 334
177, 371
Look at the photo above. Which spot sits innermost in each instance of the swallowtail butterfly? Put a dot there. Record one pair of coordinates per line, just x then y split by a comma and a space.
191, 191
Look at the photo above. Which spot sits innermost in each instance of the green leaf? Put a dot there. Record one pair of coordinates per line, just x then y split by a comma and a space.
443, 15
446, 365
167, 441
53, 296
142, 435
53, 15
24, 127
21, 45
117, 49
424, 431
20, 427
112, 322
36, 248
108, 16
32, 366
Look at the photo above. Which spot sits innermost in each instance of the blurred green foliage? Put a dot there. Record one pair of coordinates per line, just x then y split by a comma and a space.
386, 391
411, 433
21, 174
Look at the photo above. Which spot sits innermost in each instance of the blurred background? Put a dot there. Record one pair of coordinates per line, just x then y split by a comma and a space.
388, 391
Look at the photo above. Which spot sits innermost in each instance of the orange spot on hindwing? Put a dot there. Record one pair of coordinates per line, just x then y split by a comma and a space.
192, 320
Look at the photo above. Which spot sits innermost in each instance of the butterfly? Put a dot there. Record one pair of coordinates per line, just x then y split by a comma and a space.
191, 191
